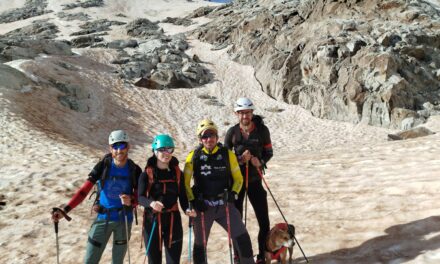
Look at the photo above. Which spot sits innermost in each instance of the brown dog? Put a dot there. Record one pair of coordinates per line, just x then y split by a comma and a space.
278, 241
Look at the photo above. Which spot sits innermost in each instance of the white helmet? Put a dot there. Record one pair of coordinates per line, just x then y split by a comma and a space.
243, 104
117, 136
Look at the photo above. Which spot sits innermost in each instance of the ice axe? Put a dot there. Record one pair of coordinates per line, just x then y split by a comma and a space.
68, 218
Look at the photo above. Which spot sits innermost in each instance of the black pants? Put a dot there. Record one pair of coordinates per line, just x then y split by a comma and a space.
239, 235
257, 196
172, 254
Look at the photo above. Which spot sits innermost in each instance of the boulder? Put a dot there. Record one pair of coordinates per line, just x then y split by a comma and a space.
13, 79
32, 8
411, 133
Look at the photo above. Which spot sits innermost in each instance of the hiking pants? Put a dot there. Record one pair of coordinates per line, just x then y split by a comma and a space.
99, 235
258, 198
239, 234
172, 254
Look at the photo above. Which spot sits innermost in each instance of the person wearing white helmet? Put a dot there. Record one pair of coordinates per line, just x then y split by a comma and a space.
250, 140
116, 177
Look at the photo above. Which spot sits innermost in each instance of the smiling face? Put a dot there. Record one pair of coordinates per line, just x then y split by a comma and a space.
209, 139
164, 155
119, 153
245, 117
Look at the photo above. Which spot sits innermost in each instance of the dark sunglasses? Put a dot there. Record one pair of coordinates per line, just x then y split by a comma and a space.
166, 150
208, 135
242, 113
120, 145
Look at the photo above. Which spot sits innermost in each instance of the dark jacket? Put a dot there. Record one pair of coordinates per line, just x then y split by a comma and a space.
163, 180
258, 143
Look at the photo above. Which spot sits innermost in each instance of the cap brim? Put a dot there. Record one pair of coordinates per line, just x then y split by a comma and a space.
209, 130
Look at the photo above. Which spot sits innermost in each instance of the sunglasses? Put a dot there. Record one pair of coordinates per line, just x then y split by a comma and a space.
242, 113
120, 145
208, 135
166, 150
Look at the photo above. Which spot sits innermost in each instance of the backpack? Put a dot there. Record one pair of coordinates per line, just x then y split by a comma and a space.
106, 162
195, 159
152, 179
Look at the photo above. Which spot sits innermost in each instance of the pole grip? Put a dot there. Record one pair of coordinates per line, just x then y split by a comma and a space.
57, 209
190, 224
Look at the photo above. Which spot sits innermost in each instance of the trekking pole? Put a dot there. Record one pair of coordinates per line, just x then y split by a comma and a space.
190, 226
68, 218
125, 208
58, 246
228, 223
151, 235
204, 236
246, 192
279, 209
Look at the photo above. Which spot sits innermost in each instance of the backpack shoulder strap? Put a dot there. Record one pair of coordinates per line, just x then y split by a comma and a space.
259, 123
132, 170
150, 174
196, 162
236, 135
178, 174
225, 152
107, 161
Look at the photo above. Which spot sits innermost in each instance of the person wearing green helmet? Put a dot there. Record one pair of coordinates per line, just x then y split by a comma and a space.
116, 177
160, 186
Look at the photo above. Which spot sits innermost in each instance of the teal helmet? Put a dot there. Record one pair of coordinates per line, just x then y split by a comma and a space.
162, 141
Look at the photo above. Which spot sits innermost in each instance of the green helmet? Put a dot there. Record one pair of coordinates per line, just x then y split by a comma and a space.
162, 141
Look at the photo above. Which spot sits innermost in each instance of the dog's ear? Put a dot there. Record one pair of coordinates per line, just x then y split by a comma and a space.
291, 230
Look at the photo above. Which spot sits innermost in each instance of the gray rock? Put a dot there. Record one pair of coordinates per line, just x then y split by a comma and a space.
100, 25
13, 79
84, 4
411, 133
37, 30
74, 97
13, 49
151, 46
178, 21
32, 8
143, 27
120, 61
314, 54
85, 41
77, 16
122, 44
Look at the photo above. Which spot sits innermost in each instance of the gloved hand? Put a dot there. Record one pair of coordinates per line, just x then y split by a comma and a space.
199, 205
233, 196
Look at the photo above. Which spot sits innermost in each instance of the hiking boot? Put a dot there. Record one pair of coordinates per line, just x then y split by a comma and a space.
236, 259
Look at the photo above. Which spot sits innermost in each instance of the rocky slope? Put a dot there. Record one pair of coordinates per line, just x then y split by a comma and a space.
366, 61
